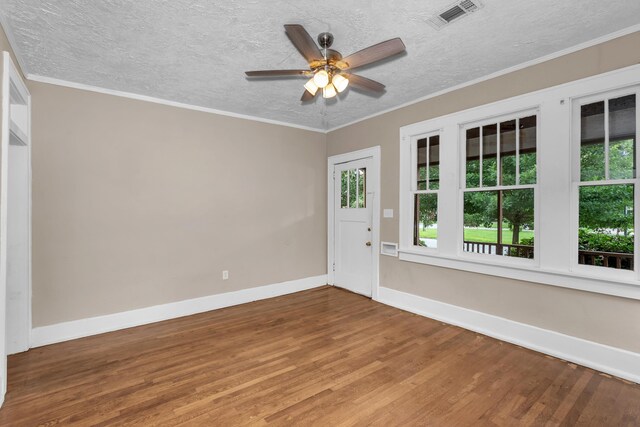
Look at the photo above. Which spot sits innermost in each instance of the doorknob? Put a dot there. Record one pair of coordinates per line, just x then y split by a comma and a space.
368, 243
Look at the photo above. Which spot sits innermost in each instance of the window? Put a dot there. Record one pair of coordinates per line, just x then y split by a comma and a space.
607, 182
500, 181
353, 188
425, 191
541, 187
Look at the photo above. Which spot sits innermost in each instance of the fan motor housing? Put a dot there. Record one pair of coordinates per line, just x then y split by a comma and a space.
333, 55
325, 40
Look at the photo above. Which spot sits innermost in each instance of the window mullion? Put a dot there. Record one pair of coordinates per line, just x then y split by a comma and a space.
518, 151
606, 139
480, 157
357, 188
607, 182
348, 189
426, 166
498, 156
502, 187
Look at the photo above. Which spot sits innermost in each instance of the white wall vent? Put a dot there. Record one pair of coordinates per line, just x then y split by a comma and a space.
453, 12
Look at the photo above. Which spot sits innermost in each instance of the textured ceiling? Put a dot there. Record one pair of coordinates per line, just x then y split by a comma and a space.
196, 52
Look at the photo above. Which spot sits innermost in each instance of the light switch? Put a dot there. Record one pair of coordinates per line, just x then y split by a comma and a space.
387, 213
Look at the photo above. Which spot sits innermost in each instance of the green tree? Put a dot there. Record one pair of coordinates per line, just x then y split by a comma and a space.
518, 206
481, 208
427, 205
607, 206
518, 210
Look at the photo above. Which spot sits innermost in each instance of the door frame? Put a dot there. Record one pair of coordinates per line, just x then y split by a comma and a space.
11, 80
332, 161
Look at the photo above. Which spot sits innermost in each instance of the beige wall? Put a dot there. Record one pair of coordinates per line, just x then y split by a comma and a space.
137, 204
604, 319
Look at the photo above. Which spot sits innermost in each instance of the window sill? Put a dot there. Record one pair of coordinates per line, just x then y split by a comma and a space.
528, 272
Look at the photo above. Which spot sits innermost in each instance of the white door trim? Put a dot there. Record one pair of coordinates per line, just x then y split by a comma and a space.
374, 154
18, 126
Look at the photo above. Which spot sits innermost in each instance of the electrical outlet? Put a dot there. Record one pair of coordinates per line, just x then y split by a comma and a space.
225, 274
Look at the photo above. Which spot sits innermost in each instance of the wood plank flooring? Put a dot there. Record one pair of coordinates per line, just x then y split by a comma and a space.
322, 357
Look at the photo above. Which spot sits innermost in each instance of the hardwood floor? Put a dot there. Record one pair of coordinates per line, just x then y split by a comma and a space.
321, 357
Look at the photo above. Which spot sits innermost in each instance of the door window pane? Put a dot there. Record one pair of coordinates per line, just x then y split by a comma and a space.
426, 220
362, 188
353, 185
344, 189
353, 188
606, 222
592, 163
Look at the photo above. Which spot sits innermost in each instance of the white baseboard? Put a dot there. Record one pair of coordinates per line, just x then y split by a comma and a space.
65, 331
615, 361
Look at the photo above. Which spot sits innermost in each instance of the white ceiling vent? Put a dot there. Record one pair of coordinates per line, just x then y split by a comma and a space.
453, 12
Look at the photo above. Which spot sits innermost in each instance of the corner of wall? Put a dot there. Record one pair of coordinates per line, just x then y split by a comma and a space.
7, 44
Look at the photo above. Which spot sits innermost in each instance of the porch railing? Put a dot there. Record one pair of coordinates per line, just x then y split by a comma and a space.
617, 260
520, 251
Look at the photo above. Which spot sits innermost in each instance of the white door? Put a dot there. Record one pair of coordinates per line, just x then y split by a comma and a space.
352, 226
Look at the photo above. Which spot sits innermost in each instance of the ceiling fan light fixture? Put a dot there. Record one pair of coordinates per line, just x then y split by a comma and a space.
329, 91
311, 87
321, 79
340, 82
328, 69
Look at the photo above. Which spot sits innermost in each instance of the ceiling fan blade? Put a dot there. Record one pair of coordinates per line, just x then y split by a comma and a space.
303, 42
306, 96
277, 73
374, 53
365, 83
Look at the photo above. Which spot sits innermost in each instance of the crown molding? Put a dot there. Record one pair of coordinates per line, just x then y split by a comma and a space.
81, 86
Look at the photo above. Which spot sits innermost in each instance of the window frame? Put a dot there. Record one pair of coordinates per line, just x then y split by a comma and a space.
556, 210
463, 127
576, 183
414, 181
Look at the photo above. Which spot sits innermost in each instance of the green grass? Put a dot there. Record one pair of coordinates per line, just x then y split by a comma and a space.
481, 235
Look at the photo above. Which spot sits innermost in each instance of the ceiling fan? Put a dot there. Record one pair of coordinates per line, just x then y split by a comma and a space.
328, 70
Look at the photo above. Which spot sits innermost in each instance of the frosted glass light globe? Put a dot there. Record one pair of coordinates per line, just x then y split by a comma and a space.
321, 79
